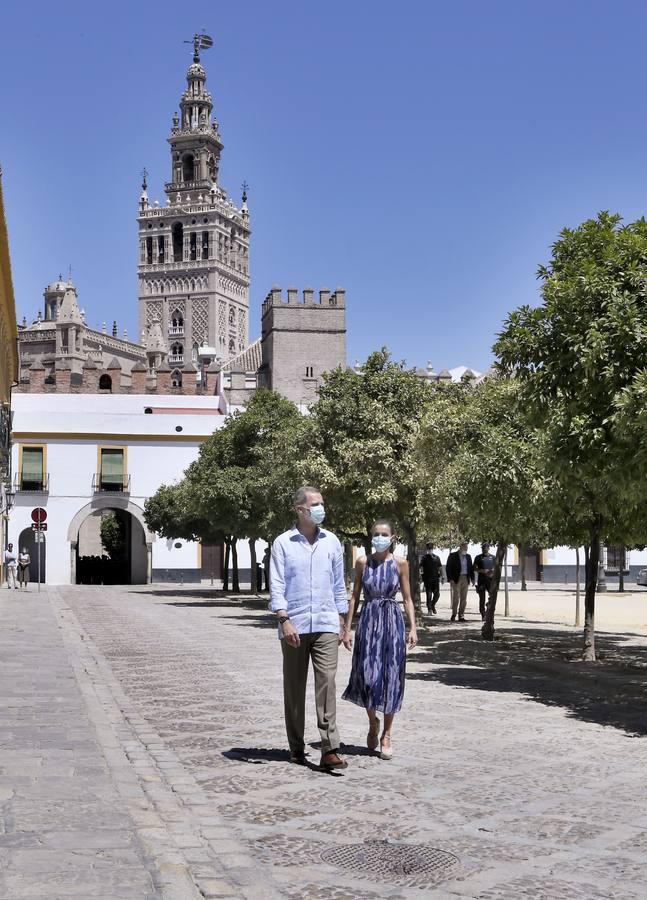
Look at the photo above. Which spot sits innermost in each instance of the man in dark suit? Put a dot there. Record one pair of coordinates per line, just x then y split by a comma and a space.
483, 566
432, 575
460, 574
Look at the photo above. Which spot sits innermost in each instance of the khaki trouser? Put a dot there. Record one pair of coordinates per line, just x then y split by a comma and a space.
11, 576
459, 595
322, 647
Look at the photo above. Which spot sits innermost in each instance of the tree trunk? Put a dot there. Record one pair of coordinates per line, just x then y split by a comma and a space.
522, 566
589, 593
235, 580
577, 587
505, 583
621, 572
414, 574
225, 574
253, 578
348, 564
487, 631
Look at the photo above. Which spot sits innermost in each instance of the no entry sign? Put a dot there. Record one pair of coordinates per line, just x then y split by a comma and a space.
38, 515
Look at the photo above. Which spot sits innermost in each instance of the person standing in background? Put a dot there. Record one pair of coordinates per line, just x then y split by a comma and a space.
460, 573
483, 567
23, 568
10, 567
432, 576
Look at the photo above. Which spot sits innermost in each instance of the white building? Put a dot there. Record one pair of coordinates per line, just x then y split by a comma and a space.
78, 456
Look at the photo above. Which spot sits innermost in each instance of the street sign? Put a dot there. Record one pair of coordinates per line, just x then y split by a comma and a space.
38, 515
36, 527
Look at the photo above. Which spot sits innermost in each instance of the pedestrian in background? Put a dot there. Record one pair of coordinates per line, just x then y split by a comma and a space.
432, 576
460, 574
379, 657
10, 567
23, 568
308, 595
266, 566
483, 567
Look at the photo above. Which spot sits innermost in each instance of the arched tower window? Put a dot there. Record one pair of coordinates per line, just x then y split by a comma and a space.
105, 383
188, 167
176, 378
178, 242
232, 346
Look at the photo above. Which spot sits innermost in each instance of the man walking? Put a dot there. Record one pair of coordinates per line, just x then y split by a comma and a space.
308, 595
460, 573
483, 567
432, 575
10, 565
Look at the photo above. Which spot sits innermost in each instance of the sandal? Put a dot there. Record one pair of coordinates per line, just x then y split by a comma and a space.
386, 752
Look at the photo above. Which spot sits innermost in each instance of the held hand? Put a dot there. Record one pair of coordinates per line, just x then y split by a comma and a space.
290, 634
412, 639
347, 639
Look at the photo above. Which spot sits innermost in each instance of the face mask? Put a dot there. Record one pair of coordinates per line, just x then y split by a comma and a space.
317, 513
381, 542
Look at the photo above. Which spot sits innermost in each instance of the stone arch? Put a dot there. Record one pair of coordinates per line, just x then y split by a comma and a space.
109, 502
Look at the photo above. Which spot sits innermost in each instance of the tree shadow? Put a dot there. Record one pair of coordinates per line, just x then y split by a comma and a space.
264, 621
545, 666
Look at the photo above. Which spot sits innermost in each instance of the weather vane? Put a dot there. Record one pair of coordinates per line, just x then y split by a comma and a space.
144, 177
200, 42
244, 187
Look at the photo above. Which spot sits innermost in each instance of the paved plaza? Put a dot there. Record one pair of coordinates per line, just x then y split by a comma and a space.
142, 756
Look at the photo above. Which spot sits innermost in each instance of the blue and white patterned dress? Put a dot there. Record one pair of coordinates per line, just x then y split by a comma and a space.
379, 656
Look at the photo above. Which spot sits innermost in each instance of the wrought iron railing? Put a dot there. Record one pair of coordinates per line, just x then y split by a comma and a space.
102, 481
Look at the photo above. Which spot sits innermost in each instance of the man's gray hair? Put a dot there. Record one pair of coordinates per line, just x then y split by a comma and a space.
301, 495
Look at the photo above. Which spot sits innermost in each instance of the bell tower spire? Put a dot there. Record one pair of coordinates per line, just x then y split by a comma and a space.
195, 138
194, 250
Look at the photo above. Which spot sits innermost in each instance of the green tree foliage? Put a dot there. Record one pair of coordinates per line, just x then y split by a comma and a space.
581, 360
481, 472
241, 483
363, 431
113, 535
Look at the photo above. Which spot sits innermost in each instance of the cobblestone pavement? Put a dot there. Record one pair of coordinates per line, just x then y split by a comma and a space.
528, 799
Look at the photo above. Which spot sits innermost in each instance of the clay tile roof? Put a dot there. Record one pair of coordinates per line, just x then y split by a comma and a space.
247, 361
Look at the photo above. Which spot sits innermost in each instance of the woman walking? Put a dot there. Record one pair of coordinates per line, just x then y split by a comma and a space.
23, 568
379, 657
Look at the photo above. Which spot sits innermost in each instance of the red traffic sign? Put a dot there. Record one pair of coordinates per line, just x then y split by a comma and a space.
38, 515
39, 527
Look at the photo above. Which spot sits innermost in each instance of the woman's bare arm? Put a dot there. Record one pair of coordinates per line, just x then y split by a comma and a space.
403, 567
360, 565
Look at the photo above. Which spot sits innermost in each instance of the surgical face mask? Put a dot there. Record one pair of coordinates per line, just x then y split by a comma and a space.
381, 542
317, 513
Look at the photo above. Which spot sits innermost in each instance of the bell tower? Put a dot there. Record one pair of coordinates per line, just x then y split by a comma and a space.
194, 250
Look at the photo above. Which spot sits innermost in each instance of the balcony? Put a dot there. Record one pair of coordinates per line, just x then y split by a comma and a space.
176, 330
103, 482
175, 360
28, 484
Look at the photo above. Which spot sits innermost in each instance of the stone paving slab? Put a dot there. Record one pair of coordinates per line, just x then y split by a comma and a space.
538, 795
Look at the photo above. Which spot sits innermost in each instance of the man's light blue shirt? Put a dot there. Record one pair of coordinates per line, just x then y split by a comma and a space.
307, 580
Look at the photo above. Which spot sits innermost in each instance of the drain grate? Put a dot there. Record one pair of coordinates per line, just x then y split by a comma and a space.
392, 861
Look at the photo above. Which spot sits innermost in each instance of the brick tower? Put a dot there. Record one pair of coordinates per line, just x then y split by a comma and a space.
301, 338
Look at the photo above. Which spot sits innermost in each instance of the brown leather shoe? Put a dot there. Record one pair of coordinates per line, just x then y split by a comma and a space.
332, 760
298, 757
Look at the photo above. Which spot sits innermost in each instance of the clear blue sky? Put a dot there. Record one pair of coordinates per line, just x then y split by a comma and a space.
423, 155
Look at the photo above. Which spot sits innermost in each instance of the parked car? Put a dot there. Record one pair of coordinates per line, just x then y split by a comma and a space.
642, 578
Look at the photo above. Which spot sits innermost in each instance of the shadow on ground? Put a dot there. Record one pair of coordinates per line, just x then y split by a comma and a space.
545, 666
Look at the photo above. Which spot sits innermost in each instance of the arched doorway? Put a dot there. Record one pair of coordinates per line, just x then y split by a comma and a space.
110, 543
27, 540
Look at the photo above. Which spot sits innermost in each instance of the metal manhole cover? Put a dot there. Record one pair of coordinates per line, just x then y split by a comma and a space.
392, 861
